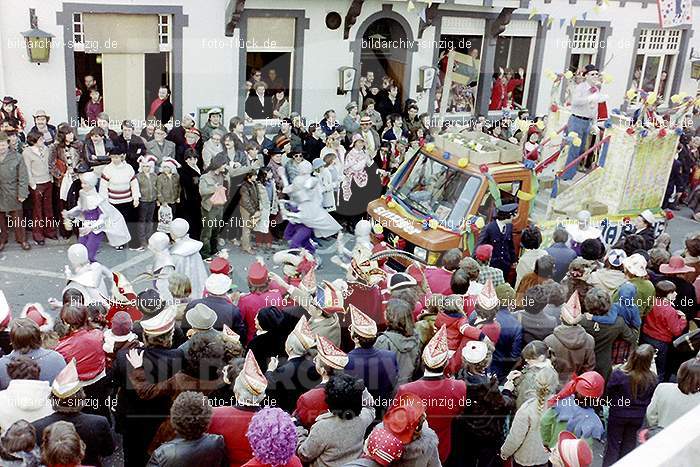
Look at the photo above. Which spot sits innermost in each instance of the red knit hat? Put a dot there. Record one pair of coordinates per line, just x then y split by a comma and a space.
403, 416
121, 323
383, 447
483, 252
220, 265
258, 275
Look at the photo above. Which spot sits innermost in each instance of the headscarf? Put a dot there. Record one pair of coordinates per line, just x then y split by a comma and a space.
590, 384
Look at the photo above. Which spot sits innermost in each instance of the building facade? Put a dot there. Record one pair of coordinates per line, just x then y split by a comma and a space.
205, 50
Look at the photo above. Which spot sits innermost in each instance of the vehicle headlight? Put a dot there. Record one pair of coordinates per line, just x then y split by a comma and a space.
421, 253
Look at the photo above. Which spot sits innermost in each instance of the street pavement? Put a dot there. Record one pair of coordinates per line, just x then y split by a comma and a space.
37, 275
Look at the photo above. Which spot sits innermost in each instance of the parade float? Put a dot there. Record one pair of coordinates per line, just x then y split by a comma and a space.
446, 191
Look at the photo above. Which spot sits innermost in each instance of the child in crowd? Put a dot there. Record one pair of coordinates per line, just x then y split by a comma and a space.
168, 192
147, 204
94, 107
663, 324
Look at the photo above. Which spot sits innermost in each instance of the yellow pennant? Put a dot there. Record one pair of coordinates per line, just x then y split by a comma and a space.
411, 6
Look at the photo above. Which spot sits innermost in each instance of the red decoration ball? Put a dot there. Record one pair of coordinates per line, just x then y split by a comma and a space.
630, 131
554, 108
483, 168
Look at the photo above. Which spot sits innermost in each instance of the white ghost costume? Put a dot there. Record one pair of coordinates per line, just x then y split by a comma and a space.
186, 257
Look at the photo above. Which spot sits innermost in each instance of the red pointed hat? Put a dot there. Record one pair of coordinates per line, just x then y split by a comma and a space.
487, 298
403, 416
571, 310
230, 334
572, 451
308, 281
258, 275
330, 354
253, 377
383, 447
332, 299
302, 331
5, 315
362, 325
66, 383
436, 352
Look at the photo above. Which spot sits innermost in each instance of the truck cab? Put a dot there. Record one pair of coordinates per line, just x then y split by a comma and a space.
450, 190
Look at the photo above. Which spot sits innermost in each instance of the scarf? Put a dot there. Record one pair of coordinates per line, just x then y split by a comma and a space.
155, 105
355, 169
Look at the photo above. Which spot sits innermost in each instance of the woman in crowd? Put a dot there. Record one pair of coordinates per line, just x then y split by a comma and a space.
61, 446
673, 400
401, 338
537, 367
629, 390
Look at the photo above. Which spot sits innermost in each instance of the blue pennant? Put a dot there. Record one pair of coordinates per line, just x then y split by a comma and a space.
555, 187
585, 13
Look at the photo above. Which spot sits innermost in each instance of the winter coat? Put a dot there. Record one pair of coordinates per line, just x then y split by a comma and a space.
645, 295
566, 415
290, 380
563, 256
444, 399
509, 345
232, 423
50, 363
607, 279
24, 399
456, 340
604, 336
208, 450
526, 384
536, 326
421, 452
664, 323
524, 441
249, 197
573, 351
85, 345
168, 188
408, 352
377, 368
333, 441
15, 182
94, 430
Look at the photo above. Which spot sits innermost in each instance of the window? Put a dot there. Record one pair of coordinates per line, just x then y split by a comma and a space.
655, 59
78, 33
584, 47
164, 41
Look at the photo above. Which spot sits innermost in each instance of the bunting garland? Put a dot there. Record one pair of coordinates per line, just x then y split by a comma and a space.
598, 7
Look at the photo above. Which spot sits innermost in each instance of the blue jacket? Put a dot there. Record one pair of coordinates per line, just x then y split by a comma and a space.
378, 368
509, 345
503, 255
563, 256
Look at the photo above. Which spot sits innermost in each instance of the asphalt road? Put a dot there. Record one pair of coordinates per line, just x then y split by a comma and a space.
37, 275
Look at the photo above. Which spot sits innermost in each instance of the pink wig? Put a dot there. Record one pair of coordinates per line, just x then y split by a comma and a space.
272, 436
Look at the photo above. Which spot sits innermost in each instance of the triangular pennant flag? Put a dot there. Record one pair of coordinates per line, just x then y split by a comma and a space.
411, 6
422, 15
561, 22
550, 21
573, 22
533, 12
543, 18
584, 15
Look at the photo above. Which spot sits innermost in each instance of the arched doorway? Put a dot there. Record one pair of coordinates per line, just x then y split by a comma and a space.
384, 52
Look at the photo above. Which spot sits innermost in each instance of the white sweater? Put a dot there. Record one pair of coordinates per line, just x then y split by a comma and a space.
119, 184
669, 404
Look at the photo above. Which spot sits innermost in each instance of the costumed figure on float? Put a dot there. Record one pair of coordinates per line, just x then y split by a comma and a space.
96, 218
186, 257
306, 215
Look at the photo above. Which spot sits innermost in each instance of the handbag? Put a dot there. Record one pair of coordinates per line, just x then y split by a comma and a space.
219, 196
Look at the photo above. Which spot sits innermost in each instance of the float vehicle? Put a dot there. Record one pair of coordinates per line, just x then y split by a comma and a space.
445, 192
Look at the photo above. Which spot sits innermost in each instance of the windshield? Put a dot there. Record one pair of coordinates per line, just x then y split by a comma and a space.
437, 190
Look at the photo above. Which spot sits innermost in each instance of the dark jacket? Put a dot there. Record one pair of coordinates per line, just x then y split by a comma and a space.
90, 156
94, 430
536, 326
226, 313
208, 450
503, 255
249, 197
377, 368
509, 345
604, 335
622, 404
563, 256
52, 132
256, 110
134, 148
290, 380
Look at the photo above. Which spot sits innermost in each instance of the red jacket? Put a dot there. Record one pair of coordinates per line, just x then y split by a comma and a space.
444, 398
85, 345
438, 279
456, 338
663, 322
310, 405
251, 303
232, 423
498, 95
